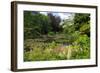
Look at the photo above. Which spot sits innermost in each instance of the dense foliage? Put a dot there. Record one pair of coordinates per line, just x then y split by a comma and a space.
48, 37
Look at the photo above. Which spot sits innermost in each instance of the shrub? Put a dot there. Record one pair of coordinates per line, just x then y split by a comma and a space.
82, 47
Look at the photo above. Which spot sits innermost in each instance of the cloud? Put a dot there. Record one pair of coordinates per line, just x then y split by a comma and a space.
62, 15
44, 13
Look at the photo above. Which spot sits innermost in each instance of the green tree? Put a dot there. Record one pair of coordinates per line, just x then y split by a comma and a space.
35, 24
82, 23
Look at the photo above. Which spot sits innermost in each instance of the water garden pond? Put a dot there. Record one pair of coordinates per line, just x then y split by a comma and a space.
56, 36
50, 48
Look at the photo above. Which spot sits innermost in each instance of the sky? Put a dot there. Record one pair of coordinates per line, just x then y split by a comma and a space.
63, 16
